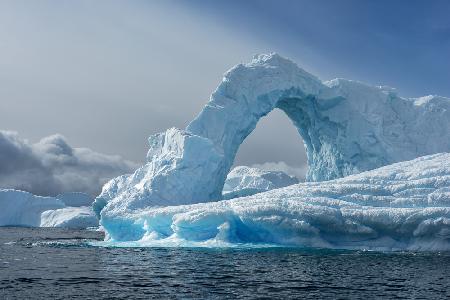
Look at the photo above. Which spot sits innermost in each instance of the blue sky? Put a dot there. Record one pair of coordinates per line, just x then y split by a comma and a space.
106, 74
405, 44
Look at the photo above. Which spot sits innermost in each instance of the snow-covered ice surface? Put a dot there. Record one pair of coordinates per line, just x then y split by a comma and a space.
19, 208
347, 127
247, 181
401, 206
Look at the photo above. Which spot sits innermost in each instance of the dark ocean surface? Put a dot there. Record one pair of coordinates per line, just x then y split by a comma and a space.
61, 264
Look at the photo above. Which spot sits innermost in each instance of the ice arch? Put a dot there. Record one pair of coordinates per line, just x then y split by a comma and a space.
248, 93
347, 127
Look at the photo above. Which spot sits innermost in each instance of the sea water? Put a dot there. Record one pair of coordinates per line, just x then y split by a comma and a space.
42, 263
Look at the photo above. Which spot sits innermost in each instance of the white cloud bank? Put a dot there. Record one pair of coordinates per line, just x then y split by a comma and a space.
51, 166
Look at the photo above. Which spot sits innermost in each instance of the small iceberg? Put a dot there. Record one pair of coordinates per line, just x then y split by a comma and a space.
21, 208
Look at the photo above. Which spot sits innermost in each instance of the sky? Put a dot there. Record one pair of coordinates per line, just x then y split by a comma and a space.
104, 75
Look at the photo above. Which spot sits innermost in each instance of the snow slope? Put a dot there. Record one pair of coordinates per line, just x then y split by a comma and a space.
247, 181
19, 208
347, 127
401, 206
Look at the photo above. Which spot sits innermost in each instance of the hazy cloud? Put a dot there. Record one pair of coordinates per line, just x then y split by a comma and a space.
52, 166
298, 172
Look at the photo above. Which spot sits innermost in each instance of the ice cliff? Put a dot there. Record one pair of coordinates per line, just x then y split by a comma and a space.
19, 208
347, 128
246, 181
401, 206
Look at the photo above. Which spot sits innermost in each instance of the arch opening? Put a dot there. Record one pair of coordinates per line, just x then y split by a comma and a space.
318, 133
274, 145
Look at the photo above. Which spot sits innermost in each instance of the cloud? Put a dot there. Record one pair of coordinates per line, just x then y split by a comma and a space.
96, 45
298, 172
51, 166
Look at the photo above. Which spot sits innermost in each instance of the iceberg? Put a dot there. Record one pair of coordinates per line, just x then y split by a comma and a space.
246, 181
69, 217
347, 127
401, 206
21, 208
